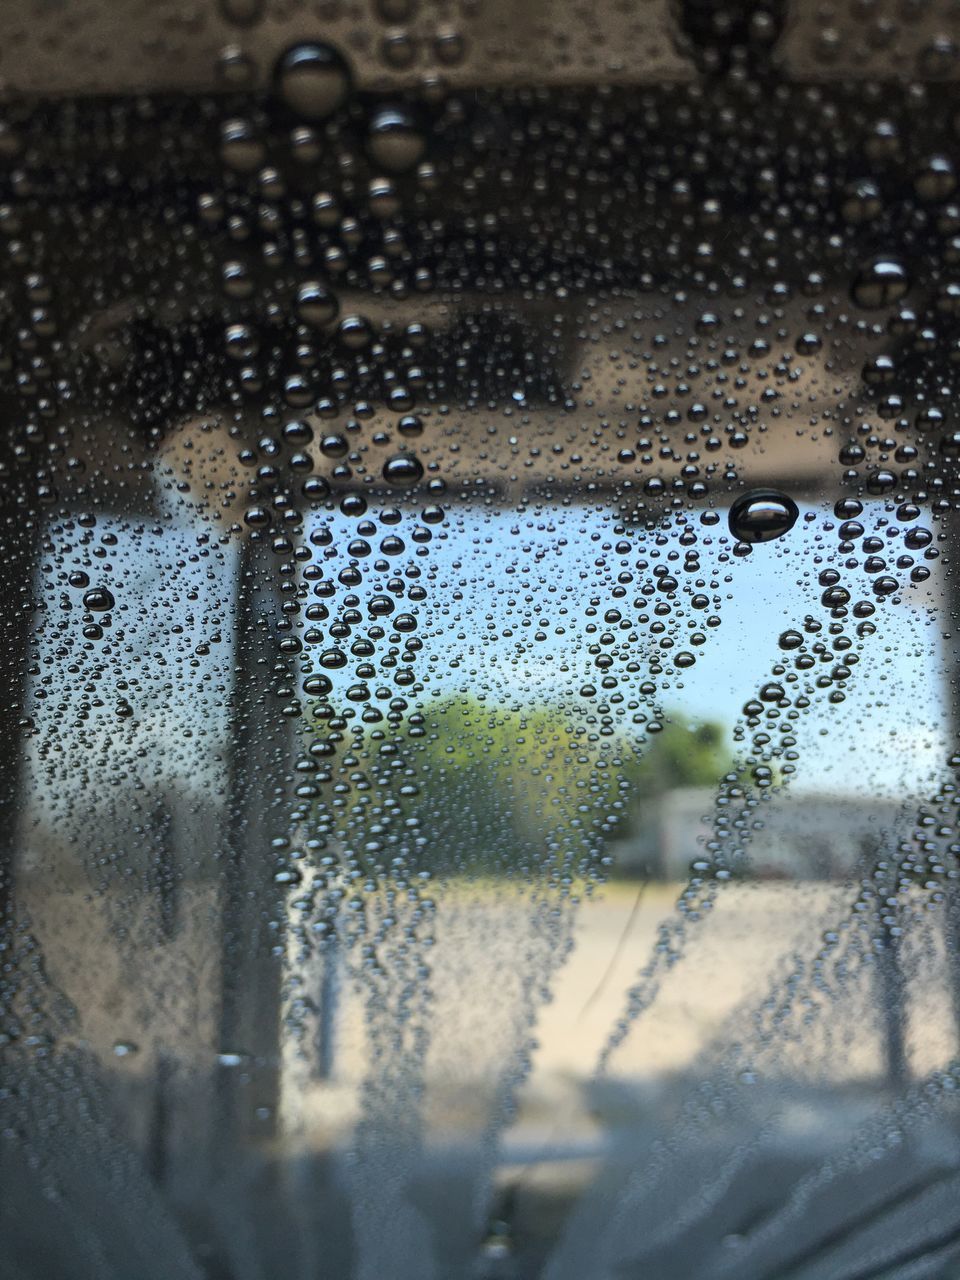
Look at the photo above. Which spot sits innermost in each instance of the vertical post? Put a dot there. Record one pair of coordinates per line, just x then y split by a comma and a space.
891, 984
252, 927
952, 938
950, 562
20, 535
891, 991
327, 1010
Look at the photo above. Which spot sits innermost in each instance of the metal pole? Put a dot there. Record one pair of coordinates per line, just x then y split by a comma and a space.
252, 917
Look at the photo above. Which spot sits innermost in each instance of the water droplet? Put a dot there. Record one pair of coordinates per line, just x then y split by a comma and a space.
835, 597
881, 481
410, 425
762, 515
399, 50
313, 80
333, 659
402, 470
847, 508
936, 179
241, 342
880, 283
394, 140
449, 47
98, 599
240, 148
235, 68
316, 305
862, 201
317, 686
236, 280
355, 332
916, 539
353, 504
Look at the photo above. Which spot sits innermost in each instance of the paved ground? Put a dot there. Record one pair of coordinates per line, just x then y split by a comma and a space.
712, 1195
733, 961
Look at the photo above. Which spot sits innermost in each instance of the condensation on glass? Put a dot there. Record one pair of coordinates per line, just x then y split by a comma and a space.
479, 708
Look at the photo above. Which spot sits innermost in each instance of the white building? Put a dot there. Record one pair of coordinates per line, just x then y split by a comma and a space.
799, 835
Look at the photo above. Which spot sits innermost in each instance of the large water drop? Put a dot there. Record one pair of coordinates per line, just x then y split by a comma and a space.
313, 80
880, 283
762, 515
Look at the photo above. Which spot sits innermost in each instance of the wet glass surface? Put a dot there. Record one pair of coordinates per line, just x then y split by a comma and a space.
479, 643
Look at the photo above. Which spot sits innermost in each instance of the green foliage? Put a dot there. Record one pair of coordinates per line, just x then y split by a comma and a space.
510, 790
682, 755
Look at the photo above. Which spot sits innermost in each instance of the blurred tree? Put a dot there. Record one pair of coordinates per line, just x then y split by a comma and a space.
511, 790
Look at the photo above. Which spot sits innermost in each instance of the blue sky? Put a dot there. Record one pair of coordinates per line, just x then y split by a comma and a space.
890, 734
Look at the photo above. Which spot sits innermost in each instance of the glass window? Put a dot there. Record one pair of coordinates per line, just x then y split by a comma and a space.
480, 741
